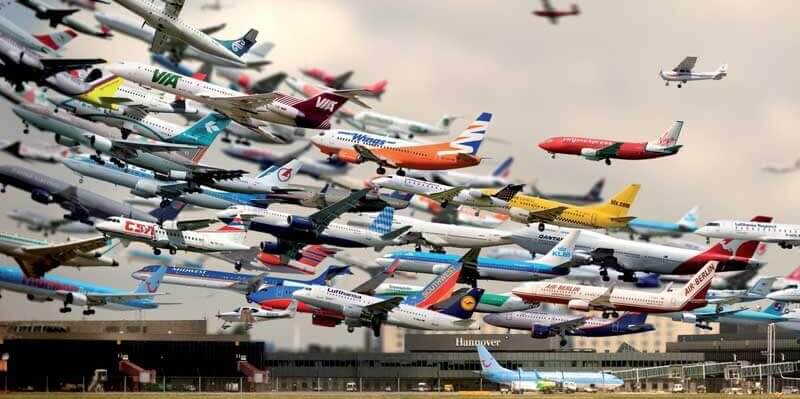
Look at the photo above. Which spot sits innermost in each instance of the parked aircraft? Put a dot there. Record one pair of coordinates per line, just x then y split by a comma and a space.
552, 14
80, 293
356, 147
249, 315
343, 81
683, 73
785, 235
646, 229
447, 194
611, 299
35, 221
602, 149
61, 16
37, 257
520, 381
547, 324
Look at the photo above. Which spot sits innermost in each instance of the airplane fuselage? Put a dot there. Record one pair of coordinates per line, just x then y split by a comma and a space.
586, 147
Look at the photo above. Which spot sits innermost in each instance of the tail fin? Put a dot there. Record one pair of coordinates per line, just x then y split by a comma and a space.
242, 45
504, 169
508, 192
318, 109
794, 275
313, 255
698, 285
438, 289
340, 80
261, 50
595, 193
378, 87
382, 223
745, 249
464, 308
561, 254
280, 176
631, 319
329, 274
445, 122
488, 363
268, 84
670, 137
153, 282
102, 90
469, 141
14, 149
204, 131
236, 228
775, 309
56, 16
292, 308
689, 220
57, 40
762, 287
169, 212
619, 204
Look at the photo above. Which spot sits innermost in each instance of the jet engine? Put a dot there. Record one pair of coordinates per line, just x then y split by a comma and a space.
285, 110
145, 188
541, 331
348, 157
354, 312
178, 175
271, 247
589, 152
41, 196
100, 143
76, 298
474, 193
300, 223
578, 304
686, 317
519, 215
582, 258
66, 141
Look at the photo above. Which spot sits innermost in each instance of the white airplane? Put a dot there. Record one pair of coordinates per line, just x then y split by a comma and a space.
683, 73
248, 110
447, 194
389, 125
791, 294
785, 235
163, 16
20, 150
37, 257
611, 299
272, 180
177, 235
35, 221
47, 44
498, 177
760, 290
250, 315
61, 16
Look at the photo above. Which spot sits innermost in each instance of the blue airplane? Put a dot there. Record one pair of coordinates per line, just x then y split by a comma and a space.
81, 293
703, 317
647, 229
521, 381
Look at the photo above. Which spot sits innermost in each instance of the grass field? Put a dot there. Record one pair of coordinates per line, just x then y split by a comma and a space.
366, 395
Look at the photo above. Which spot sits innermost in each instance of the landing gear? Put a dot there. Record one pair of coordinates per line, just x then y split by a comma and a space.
541, 226
608, 161
401, 172
444, 204
88, 312
237, 265
125, 133
3, 189
680, 85
350, 329
26, 130
610, 313
666, 83
563, 342
173, 251
226, 138
553, 155
703, 326
163, 204
96, 158
785, 245
117, 162
380, 170
156, 251
65, 309
376, 330
604, 275
628, 277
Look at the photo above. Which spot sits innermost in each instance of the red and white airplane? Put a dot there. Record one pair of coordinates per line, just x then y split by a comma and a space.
552, 14
342, 82
601, 149
611, 299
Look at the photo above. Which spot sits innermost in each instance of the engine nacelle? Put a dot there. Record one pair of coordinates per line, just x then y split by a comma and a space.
42, 196
100, 143
34, 298
66, 141
589, 152
578, 304
271, 247
541, 331
352, 311
76, 298
300, 223
270, 259
686, 317
178, 175
582, 258
519, 215
474, 193
348, 156
145, 188
285, 110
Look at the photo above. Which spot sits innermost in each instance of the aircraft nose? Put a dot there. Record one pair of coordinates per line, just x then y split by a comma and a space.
381, 180
117, 68
491, 318
546, 145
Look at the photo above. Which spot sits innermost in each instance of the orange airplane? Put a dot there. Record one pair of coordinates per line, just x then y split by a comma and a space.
358, 147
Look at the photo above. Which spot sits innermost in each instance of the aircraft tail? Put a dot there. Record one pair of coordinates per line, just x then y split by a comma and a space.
689, 221
169, 212
504, 169
445, 122
745, 249
698, 285
204, 131
469, 141
280, 176
313, 255
464, 308
595, 193
268, 84
628, 319
329, 274
235, 228
259, 51
340, 80
241, 45
318, 109
438, 289
382, 224
508, 192
619, 204
561, 253
670, 137
153, 282
56, 40
794, 275
378, 87
488, 363
762, 287
775, 309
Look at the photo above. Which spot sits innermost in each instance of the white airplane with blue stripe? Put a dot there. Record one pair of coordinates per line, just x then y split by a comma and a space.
647, 229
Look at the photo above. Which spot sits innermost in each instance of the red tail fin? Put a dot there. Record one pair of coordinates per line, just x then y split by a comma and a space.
745, 249
57, 40
795, 275
318, 109
697, 286
377, 87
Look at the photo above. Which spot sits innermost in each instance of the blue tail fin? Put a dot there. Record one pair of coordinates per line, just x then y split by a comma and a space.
332, 271
169, 212
204, 131
242, 45
464, 307
504, 169
650, 280
383, 222
631, 319
469, 141
153, 282
489, 364
775, 309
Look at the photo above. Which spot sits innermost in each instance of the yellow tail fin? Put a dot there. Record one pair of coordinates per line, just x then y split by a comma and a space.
102, 92
619, 204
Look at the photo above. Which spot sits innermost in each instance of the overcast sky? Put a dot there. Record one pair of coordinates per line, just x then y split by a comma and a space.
592, 75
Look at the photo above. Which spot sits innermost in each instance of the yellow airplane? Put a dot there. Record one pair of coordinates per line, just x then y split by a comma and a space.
612, 214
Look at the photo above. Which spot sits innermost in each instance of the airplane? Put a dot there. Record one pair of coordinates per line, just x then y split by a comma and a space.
59, 16
703, 317
489, 302
393, 126
520, 381
177, 235
81, 204
274, 180
169, 27
546, 324
785, 235
683, 73
498, 178
552, 14
612, 214
35, 221
90, 5
254, 259
265, 158
23, 151
463, 215
611, 299
249, 315
555, 263
80, 293
247, 110
236, 282
342, 81
790, 294
321, 197
45, 44
592, 197
628, 256
606, 150
757, 292
445, 194
356, 147
37, 257
18, 65
647, 229
177, 51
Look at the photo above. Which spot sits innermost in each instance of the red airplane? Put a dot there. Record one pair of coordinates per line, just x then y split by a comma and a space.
552, 14
341, 82
599, 149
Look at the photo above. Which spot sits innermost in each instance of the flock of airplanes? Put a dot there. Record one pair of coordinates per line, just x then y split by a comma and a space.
558, 250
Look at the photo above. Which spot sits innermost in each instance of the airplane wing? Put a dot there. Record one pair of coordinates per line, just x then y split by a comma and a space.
55, 65
446, 195
368, 155
566, 325
686, 65
191, 224
246, 104
604, 300
250, 285
325, 216
213, 29
133, 146
546, 215
623, 219
608, 151
368, 287
172, 8
384, 306
242, 256
67, 250
161, 42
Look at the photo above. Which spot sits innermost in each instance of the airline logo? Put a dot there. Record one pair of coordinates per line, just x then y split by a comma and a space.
468, 303
699, 279
562, 252
284, 174
165, 78
140, 229
437, 283
365, 139
211, 126
326, 104
237, 45
562, 289
620, 204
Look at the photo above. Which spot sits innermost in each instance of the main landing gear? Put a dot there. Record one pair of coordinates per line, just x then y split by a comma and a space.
608, 161
563, 341
785, 245
156, 251
350, 329
381, 170
610, 313
401, 172
88, 312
